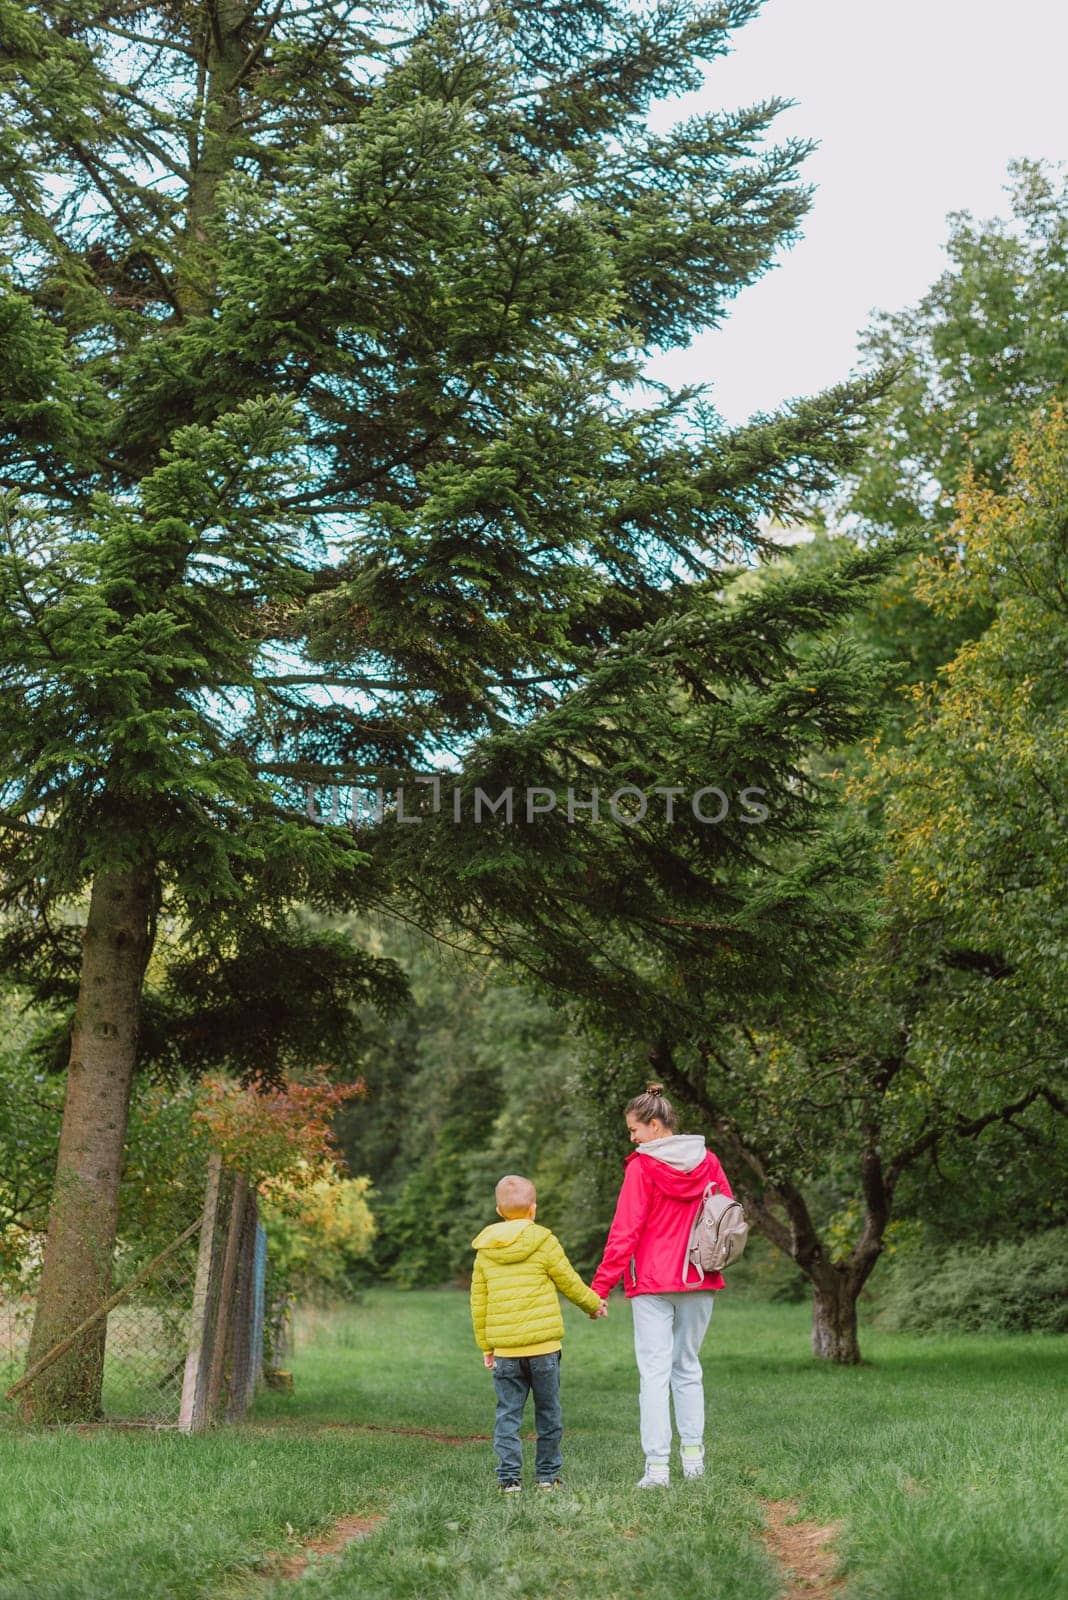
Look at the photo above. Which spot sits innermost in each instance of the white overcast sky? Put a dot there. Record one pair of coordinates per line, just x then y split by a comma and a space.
919, 105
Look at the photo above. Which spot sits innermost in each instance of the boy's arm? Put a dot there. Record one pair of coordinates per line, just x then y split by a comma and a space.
626, 1229
479, 1296
567, 1279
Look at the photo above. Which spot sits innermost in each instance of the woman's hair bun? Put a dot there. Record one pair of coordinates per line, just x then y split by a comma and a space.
654, 1105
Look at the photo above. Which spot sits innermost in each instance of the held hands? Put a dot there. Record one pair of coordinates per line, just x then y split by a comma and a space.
487, 1360
602, 1311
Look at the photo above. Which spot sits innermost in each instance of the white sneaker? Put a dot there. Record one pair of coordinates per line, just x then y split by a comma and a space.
655, 1478
693, 1461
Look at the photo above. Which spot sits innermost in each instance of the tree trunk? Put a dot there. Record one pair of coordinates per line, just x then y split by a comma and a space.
224, 64
834, 1317
76, 1274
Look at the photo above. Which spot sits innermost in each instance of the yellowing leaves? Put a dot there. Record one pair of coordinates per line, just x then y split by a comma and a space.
317, 1226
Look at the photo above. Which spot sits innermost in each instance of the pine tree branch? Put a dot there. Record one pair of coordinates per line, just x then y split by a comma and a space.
19, 825
144, 141
119, 210
146, 41
258, 46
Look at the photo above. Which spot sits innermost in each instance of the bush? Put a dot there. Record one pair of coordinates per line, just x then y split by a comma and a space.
317, 1231
1019, 1287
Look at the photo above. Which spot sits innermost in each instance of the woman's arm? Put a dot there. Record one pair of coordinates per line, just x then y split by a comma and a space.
627, 1224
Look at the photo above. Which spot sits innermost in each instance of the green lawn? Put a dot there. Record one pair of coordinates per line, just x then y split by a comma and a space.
944, 1460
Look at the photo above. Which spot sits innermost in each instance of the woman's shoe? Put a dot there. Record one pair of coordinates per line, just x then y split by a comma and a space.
655, 1478
510, 1488
693, 1461
550, 1483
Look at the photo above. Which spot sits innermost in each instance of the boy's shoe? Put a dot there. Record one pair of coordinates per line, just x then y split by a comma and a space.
512, 1487
551, 1483
655, 1478
693, 1461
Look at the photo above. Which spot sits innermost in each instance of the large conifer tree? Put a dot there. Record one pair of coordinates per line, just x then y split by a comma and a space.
317, 448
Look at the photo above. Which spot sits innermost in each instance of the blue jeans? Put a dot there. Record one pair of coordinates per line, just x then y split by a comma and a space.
514, 1377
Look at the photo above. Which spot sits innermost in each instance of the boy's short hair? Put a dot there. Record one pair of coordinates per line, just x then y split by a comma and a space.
515, 1195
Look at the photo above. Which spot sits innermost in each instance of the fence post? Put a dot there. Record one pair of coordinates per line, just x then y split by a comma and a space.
225, 1359
191, 1416
259, 1303
239, 1366
223, 1329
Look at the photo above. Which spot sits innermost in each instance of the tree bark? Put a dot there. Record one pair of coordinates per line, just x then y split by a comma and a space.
77, 1270
834, 1317
213, 157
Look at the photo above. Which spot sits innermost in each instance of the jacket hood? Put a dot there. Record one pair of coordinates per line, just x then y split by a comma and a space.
512, 1240
678, 1164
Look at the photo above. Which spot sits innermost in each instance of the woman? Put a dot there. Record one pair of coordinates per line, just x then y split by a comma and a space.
664, 1180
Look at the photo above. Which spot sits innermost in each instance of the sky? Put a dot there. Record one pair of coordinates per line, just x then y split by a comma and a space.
919, 106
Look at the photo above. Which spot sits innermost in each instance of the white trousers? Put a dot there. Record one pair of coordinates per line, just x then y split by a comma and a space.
668, 1330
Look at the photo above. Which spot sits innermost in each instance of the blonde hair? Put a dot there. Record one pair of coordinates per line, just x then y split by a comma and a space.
515, 1195
654, 1106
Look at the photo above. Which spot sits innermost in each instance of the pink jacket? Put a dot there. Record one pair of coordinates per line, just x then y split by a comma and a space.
655, 1211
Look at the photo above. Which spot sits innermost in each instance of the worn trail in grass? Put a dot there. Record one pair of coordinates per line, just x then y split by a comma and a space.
941, 1467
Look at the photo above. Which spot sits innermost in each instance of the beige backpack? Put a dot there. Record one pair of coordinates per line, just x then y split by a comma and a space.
717, 1237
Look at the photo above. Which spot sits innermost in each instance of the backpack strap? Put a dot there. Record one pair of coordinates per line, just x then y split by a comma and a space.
687, 1263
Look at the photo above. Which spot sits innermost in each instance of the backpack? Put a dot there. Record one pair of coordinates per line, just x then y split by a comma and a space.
718, 1235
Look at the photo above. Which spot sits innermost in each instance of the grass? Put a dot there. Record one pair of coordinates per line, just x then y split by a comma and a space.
944, 1460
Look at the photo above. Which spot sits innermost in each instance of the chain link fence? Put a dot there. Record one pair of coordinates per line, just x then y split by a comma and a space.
16, 1319
148, 1343
185, 1332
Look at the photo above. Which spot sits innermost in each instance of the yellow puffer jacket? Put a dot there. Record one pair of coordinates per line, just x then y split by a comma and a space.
518, 1269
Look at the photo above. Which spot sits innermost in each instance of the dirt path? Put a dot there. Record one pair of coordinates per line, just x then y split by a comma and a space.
804, 1550
372, 1427
343, 1533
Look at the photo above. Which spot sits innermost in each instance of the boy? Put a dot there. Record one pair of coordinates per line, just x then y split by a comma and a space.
518, 1327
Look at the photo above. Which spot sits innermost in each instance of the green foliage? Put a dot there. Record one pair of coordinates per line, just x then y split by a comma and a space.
162, 1188
421, 1222
253, 1001
1017, 1286
31, 1104
977, 353
316, 1232
165, 1169
973, 810
642, 917
984, 346
768, 1275
1011, 1181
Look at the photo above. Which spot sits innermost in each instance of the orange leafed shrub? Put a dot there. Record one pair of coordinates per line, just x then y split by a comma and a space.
275, 1132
